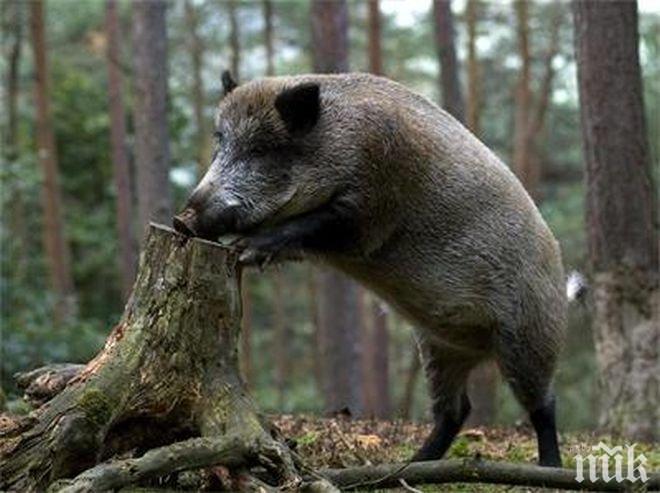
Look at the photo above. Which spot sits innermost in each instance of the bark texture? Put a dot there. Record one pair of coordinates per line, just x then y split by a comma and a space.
450, 86
119, 152
621, 217
152, 151
169, 371
57, 250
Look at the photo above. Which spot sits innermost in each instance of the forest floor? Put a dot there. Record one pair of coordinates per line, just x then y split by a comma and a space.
340, 442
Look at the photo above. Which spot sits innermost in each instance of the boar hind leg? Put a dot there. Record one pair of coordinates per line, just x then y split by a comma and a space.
447, 375
528, 370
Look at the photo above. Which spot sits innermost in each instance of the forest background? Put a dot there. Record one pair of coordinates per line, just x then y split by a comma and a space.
515, 69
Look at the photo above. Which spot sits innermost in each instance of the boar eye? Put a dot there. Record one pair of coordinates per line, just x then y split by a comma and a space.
218, 136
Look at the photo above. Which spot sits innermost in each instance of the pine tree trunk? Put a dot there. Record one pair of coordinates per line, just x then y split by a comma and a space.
621, 217
17, 225
14, 31
375, 52
408, 399
380, 360
452, 96
121, 166
523, 165
340, 342
329, 36
268, 37
55, 245
169, 371
281, 340
196, 50
234, 39
152, 150
473, 76
246, 332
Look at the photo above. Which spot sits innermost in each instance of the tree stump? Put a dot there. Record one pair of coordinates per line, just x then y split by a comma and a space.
168, 372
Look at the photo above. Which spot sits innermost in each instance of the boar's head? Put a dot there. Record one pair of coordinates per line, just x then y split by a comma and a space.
268, 161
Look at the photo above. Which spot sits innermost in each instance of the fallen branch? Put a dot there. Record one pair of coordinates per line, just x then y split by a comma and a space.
471, 471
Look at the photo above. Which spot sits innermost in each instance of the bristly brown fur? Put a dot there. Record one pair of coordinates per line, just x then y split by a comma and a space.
432, 221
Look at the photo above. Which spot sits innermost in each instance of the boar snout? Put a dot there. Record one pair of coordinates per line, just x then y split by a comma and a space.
206, 225
184, 222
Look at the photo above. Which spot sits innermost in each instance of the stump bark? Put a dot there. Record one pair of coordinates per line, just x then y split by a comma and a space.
168, 372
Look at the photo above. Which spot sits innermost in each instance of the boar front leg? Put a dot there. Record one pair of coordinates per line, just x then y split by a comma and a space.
329, 229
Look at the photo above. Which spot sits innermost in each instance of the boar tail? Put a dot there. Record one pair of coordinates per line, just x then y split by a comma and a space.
576, 286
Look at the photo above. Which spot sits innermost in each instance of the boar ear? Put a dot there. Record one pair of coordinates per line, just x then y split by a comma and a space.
299, 107
228, 82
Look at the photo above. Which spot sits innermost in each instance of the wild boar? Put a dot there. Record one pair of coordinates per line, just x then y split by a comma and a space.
360, 173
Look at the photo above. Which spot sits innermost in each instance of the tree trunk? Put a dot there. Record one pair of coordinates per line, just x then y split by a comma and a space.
621, 217
234, 39
523, 165
545, 88
474, 77
14, 32
337, 296
329, 36
280, 339
168, 371
122, 171
152, 150
380, 341
408, 399
367, 356
57, 250
375, 53
482, 391
529, 119
196, 50
16, 223
340, 342
268, 37
450, 86
246, 332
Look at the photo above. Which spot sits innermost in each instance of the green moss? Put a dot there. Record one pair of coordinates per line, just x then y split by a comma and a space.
308, 438
460, 448
96, 406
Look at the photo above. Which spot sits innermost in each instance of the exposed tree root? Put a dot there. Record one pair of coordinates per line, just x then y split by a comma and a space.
471, 471
42, 384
